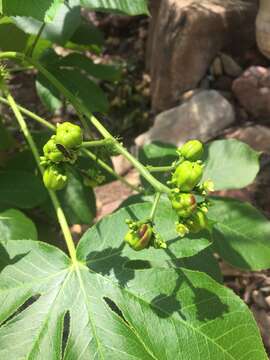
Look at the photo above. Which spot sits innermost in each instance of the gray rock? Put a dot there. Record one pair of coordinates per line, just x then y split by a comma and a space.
185, 37
202, 117
230, 66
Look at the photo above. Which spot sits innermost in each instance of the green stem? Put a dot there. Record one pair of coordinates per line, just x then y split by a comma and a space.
159, 168
154, 207
31, 115
86, 152
110, 170
96, 143
81, 109
31, 51
59, 211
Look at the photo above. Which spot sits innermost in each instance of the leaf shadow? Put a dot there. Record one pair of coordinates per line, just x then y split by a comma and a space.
164, 305
6, 260
110, 260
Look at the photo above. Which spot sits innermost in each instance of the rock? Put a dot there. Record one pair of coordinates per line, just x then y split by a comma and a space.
252, 90
216, 68
185, 37
202, 117
256, 136
230, 66
223, 83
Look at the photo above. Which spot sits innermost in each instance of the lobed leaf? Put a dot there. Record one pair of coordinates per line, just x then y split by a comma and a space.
146, 314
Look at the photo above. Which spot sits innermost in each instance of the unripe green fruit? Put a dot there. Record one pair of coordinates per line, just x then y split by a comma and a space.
69, 135
54, 178
140, 239
187, 175
184, 204
52, 153
192, 150
198, 222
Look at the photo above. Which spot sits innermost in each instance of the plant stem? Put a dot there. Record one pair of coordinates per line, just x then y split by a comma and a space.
110, 170
159, 168
31, 51
88, 153
31, 115
59, 211
81, 109
96, 143
154, 207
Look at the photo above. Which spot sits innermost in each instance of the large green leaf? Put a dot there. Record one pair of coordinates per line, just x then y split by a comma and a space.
241, 234
104, 241
44, 10
231, 164
134, 7
60, 30
21, 189
14, 225
147, 314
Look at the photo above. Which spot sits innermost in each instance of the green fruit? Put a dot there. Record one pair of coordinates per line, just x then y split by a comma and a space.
140, 239
52, 153
192, 150
69, 135
198, 222
54, 178
187, 175
184, 204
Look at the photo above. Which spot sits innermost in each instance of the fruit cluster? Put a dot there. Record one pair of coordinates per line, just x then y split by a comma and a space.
60, 149
187, 188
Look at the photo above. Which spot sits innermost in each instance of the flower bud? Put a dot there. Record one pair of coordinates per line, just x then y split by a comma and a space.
52, 153
139, 239
69, 135
184, 204
198, 222
192, 150
182, 229
187, 175
54, 178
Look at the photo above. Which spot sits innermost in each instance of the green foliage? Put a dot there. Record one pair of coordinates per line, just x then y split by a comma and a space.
17, 189
202, 317
14, 225
241, 234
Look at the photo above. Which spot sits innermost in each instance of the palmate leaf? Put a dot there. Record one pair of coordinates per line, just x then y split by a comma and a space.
147, 314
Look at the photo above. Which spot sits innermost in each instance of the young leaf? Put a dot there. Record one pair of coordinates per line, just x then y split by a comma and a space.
21, 189
147, 314
14, 225
99, 71
77, 82
231, 164
241, 234
60, 30
44, 10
